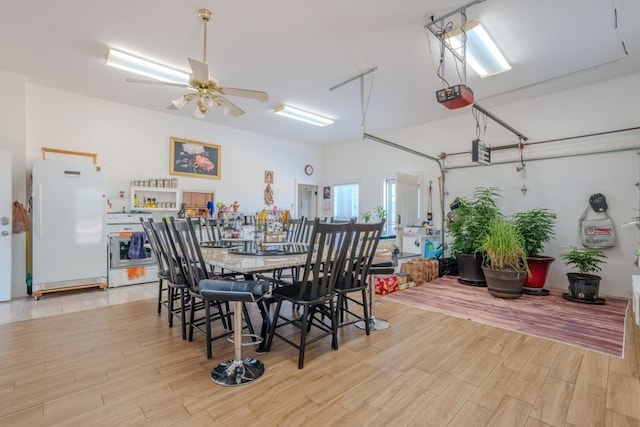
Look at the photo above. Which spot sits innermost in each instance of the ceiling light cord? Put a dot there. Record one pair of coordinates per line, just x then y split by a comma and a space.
521, 148
441, 34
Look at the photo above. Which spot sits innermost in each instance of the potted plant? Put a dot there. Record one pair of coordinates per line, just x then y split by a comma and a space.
536, 228
366, 216
584, 285
505, 266
468, 223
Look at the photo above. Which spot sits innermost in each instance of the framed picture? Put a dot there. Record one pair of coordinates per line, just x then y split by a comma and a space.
268, 177
194, 159
326, 193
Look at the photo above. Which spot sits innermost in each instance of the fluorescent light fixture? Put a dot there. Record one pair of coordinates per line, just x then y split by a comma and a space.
483, 56
303, 116
144, 67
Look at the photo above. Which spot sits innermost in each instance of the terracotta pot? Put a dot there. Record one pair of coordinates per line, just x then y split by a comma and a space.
539, 268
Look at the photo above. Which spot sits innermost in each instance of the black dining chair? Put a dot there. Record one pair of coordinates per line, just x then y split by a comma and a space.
313, 292
353, 283
294, 228
197, 270
163, 268
304, 235
177, 282
213, 229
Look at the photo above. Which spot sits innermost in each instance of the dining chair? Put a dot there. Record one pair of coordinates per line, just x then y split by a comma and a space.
313, 292
304, 235
197, 270
293, 232
196, 222
213, 230
177, 283
354, 280
294, 228
163, 268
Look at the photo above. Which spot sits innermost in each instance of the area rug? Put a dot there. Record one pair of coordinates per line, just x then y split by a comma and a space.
594, 327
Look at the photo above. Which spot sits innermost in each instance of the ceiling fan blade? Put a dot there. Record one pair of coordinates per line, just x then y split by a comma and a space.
245, 93
172, 107
230, 107
200, 70
157, 82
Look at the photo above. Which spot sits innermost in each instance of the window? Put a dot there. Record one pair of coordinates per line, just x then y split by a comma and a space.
346, 200
389, 200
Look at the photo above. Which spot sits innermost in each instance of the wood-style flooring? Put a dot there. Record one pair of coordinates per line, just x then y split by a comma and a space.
122, 365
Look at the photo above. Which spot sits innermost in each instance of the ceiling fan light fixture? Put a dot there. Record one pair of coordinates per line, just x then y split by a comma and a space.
144, 67
180, 102
208, 101
483, 55
302, 115
201, 109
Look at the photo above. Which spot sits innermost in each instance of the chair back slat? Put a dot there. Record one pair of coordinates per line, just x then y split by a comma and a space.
325, 259
152, 238
170, 254
213, 229
294, 229
362, 249
194, 267
306, 229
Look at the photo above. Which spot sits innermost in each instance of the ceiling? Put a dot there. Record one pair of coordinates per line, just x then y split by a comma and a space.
297, 50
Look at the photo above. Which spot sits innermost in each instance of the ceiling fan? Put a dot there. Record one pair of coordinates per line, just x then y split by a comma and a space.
204, 86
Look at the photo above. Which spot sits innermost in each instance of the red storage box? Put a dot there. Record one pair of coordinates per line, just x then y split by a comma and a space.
386, 284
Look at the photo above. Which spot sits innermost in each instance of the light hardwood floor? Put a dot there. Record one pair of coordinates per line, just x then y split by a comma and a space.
122, 365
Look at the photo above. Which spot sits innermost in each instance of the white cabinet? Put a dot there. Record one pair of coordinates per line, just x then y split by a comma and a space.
155, 198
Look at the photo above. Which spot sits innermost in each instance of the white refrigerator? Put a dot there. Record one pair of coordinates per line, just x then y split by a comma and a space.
69, 239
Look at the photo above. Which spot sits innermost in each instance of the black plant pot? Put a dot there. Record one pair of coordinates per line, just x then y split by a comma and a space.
583, 286
470, 269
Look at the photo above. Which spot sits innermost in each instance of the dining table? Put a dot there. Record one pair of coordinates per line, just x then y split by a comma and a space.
247, 258
250, 259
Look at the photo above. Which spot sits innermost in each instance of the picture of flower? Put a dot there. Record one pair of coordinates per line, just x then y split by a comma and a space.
194, 158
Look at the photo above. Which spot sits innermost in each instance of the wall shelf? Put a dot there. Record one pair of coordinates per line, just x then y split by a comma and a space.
166, 199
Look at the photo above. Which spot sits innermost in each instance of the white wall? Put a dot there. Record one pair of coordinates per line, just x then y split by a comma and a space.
563, 184
134, 144
13, 137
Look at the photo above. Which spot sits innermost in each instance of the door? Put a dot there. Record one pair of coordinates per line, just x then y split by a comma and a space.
407, 199
5, 224
307, 199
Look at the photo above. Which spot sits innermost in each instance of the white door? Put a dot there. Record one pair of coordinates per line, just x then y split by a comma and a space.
407, 199
5, 224
307, 197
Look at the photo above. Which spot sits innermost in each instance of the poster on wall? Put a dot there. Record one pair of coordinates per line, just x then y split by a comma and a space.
326, 193
194, 158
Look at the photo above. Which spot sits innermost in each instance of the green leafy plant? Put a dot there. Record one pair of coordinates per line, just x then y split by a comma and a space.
503, 246
536, 228
366, 216
380, 213
471, 220
586, 261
